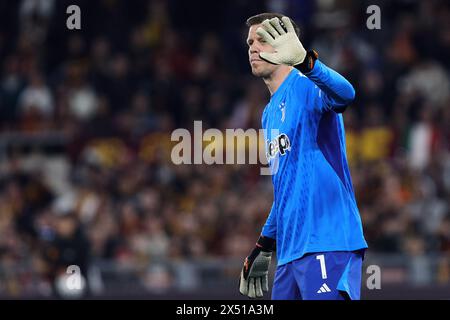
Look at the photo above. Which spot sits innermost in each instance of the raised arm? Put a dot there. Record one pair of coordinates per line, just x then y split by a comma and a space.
334, 92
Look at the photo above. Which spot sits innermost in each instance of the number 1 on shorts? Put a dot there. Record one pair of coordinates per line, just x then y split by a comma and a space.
321, 258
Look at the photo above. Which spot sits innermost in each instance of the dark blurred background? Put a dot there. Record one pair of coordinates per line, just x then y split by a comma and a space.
86, 118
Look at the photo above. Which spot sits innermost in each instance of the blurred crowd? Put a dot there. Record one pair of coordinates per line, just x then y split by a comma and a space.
87, 115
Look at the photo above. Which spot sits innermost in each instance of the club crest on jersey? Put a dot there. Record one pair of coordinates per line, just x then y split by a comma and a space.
282, 107
281, 144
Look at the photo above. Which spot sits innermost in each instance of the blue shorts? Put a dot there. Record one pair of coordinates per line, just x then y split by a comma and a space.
334, 275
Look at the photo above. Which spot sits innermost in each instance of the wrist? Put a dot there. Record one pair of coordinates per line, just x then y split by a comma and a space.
265, 244
308, 63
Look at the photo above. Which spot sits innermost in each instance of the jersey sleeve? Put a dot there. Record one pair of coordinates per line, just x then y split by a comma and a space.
328, 90
270, 227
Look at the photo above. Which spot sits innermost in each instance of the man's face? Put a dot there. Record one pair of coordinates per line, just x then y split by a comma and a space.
256, 44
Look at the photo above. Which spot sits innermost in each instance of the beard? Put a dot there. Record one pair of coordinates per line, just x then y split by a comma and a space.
262, 72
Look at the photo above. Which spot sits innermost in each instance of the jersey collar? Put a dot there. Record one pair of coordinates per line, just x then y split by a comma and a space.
285, 83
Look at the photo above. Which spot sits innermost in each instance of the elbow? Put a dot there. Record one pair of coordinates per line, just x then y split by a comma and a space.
345, 99
349, 95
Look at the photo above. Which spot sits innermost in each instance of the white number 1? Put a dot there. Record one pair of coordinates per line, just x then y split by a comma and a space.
321, 258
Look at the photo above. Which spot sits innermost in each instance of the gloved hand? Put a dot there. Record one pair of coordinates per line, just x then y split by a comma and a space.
282, 37
254, 275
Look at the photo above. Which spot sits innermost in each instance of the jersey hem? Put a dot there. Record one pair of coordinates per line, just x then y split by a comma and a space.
314, 250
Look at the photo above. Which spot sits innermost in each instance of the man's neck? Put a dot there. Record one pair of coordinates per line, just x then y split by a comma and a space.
274, 81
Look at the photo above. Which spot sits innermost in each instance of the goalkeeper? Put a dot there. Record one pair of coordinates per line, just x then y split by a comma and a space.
314, 221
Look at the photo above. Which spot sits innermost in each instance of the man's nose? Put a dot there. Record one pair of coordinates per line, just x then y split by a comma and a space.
253, 49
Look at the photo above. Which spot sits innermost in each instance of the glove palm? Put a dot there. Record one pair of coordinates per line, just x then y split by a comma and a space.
282, 37
253, 281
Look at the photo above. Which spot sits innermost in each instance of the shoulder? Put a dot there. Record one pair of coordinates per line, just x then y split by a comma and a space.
302, 86
301, 82
264, 113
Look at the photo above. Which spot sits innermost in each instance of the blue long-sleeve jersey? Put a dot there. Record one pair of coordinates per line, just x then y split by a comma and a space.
314, 208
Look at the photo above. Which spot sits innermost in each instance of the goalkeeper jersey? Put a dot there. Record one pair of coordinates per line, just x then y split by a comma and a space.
314, 208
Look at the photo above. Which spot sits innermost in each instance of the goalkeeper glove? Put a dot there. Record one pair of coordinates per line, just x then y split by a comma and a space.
254, 274
288, 48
